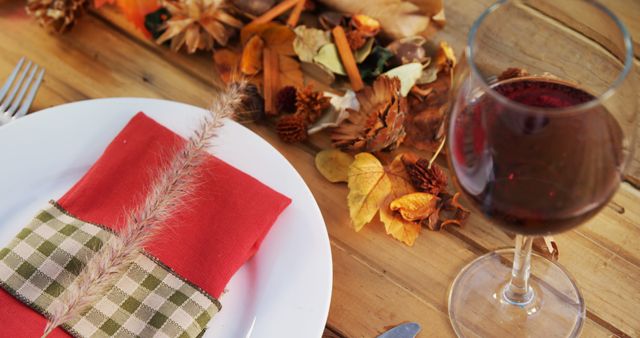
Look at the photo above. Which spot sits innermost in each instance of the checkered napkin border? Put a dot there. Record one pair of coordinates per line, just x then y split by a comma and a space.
150, 300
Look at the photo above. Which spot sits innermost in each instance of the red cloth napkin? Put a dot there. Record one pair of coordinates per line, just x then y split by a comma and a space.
221, 227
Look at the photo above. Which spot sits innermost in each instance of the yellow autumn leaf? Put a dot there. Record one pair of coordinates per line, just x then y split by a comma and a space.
395, 225
415, 206
334, 165
369, 186
399, 228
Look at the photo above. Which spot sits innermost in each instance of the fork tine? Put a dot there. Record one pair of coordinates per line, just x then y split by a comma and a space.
13, 91
23, 90
7, 84
32, 94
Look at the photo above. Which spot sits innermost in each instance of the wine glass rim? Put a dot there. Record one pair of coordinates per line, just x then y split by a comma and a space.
597, 100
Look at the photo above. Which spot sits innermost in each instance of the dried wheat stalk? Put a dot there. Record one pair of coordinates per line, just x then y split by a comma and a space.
167, 193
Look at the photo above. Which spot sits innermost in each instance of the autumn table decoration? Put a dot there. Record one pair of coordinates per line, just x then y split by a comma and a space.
370, 75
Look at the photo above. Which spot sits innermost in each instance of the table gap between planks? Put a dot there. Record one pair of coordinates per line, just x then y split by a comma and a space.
378, 282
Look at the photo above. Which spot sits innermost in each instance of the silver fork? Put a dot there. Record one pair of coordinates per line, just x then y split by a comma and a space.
12, 93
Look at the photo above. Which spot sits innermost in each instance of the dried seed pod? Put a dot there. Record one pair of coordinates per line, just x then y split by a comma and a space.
292, 128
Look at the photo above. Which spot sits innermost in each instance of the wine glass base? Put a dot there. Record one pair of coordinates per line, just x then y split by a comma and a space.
477, 307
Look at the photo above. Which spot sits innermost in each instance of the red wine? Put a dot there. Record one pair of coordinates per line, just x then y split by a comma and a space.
536, 172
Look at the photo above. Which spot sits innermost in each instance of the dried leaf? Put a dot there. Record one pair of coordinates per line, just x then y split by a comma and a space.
415, 206
334, 165
340, 106
408, 75
425, 121
290, 72
251, 62
308, 42
226, 62
255, 29
318, 72
328, 56
410, 49
396, 226
369, 186
279, 38
361, 54
398, 18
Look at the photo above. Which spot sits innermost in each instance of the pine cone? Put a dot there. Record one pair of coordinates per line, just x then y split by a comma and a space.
356, 39
57, 15
378, 125
286, 100
198, 24
292, 128
310, 104
431, 180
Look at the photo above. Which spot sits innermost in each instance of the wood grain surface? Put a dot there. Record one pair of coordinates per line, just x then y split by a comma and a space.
378, 282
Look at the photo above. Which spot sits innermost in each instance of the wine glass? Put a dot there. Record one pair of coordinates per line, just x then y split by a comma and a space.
537, 149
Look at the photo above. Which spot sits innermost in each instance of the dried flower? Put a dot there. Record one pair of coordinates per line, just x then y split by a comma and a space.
286, 100
378, 125
57, 15
198, 24
432, 180
292, 128
356, 39
512, 73
311, 104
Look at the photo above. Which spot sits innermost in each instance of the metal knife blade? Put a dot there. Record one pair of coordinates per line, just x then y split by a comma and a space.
406, 330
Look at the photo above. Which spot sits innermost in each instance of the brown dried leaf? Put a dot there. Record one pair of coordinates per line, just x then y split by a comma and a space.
279, 38
255, 29
290, 72
251, 62
226, 62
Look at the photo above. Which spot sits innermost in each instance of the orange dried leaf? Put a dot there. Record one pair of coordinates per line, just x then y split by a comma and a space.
396, 226
415, 206
254, 29
251, 62
226, 63
290, 71
279, 38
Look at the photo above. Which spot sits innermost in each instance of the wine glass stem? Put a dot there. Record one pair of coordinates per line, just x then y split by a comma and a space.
518, 291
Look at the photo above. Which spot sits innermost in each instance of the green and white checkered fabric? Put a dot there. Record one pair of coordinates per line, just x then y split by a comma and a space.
150, 300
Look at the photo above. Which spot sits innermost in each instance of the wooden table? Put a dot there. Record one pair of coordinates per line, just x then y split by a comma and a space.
378, 282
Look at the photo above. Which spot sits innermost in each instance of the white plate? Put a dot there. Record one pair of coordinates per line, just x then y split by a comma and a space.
284, 291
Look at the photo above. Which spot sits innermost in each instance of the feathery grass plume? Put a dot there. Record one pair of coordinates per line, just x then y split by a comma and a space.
169, 190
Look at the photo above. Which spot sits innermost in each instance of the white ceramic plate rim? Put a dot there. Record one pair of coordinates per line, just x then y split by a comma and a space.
284, 291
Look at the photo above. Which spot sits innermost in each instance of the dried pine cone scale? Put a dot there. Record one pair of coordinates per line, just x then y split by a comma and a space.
57, 15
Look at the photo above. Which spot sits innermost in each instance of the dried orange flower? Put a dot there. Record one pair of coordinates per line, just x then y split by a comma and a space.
356, 39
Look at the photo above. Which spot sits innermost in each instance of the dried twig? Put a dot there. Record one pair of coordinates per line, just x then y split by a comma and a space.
167, 194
